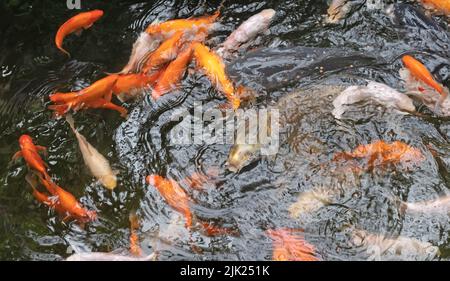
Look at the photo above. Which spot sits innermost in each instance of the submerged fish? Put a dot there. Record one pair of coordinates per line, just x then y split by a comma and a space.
174, 195
98, 165
421, 83
440, 6
242, 155
438, 206
76, 24
247, 31
337, 10
377, 92
381, 153
288, 245
98, 256
380, 247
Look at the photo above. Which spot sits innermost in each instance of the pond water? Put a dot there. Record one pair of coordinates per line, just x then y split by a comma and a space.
298, 68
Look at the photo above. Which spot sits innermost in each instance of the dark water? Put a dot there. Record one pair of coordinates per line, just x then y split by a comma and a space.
366, 45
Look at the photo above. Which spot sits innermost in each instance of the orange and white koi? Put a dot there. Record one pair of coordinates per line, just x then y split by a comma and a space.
76, 24
214, 68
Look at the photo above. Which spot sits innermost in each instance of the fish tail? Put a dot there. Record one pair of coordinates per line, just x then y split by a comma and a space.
31, 181
69, 119
60, 109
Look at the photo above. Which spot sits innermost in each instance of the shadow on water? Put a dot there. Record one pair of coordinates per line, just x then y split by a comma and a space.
299, 68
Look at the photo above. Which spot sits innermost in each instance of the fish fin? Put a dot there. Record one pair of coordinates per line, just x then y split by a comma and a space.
78, 32
17, 155
65, 52
116, 172
42, 149
60, 109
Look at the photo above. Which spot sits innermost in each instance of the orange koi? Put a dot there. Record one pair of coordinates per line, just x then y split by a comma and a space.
176, 25
290, 247
127, 85
174, 72
43, 198
30, 152
214, 68
101, 89
165, 53
76, 24
135, 249
174, 195
442, 6
380, 153
420, 72
68, 202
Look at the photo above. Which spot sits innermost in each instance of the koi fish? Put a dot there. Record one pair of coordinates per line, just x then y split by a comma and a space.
144, 45
380, 153
287, 246
30, 152
169, 27
98, 165
104, 104
242, 155
174, 195
420, 72
127, 86
76, 24
101, 89
165, 53
44, 198
376, 92
99, 256
135, 249
247, 31
214, 68
337, 10
174, 72
68, 202
380, 247
438, 206
442, 6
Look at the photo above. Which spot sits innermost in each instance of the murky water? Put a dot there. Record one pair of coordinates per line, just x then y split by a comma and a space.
298, 68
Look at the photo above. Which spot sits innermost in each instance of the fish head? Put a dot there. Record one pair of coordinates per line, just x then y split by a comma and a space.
241, 155
25, 140
109, 181
96, 14
154, 180
268, 14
